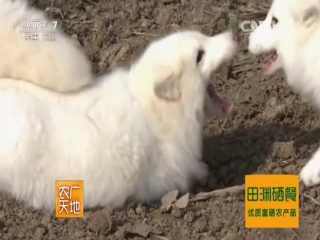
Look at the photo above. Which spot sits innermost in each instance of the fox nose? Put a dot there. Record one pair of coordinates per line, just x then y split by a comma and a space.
235, 35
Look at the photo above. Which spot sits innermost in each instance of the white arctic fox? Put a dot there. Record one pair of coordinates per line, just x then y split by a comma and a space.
134, 134
21, 59
291, 31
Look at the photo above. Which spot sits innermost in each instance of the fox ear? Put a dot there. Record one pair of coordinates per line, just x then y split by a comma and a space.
310, 16
167, 85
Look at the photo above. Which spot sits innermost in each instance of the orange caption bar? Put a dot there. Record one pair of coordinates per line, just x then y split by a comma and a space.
69, 199
272, 201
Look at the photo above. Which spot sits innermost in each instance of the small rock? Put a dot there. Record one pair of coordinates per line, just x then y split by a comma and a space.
278, 170
183, 201
189, 217
215, 225
168, 199
1, 214
145, 24
110, 28
177, 213
230, 199
141, 211
141, 229
79, 234
272, 101
40, 231
291, 169
198, 214
284, 150
86, 216
100, 222
201, 224
120, 234
132, 214
45, 220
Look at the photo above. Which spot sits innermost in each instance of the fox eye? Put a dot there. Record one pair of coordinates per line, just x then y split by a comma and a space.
274, 21
199, 56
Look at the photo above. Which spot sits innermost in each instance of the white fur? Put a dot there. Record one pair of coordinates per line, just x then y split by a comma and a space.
135, 134
22, 59
296, 37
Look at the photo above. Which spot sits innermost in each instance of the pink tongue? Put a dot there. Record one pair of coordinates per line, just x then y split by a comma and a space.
266, 65
225, 106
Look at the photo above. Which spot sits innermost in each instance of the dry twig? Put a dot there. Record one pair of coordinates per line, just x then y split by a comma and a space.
210, 13
161, 237
311, 198
207, 195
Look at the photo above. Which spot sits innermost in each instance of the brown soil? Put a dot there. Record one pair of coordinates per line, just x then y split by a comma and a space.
274, 131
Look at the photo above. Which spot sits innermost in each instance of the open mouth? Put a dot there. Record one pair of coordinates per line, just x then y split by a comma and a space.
219, 105
272, 64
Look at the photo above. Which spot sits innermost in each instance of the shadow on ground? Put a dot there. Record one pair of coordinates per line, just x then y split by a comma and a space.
249, 151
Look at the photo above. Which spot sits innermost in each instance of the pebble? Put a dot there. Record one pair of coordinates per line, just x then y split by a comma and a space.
40, 231
177, 213
278, 170
272, 101
100, 222
189, 217
45, 220
79, 234
141, 211
201, 224
145, 24
215, 225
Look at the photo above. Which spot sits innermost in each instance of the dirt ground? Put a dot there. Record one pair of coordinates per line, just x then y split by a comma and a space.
275, 131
